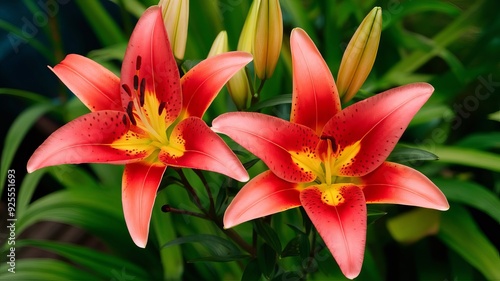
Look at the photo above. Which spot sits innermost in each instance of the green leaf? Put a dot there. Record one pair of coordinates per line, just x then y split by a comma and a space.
17, 36
418, 7
472, 194
374, 215
481, 141
163, 227
495, 116
27, 189
102, 264
414, 225
461, 233
252, 271
267, 259
298, 246
468, 157
405, 154
452, 32
30, 96
219, 248
74, 177
106, 29
16, 133
43, 269
277, 100
268, 234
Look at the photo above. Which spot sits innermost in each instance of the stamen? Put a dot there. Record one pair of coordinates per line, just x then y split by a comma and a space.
130, 113
136, 82
138, 63
142, 90
161, 107
127, 89
124, 120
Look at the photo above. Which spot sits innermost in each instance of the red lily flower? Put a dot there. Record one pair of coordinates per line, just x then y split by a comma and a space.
149, 120
327, 160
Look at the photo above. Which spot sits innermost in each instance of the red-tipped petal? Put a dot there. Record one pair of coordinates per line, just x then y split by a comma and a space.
149, 61
288, 149
264, 195
398, 184
87, 139
97, 87
202, 83
315, 96
376, 124
139, 186
194, 145
342, 227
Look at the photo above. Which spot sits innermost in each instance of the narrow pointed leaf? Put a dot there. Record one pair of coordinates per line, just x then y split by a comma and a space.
17, 131
414, 225
398, 184
140, 183
194, 145
264, 195
97, 87
315, 96
461, 233
218, 247
202, 83
286, 148
403, 154
149, 58
87, 139
375, 126
342, 227
268, 234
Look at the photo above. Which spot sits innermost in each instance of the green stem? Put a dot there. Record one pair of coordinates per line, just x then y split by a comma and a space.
169, 209
191, 190
211, 209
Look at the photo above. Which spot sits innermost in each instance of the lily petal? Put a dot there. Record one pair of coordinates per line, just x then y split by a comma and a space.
87, 139
149, 58
97, 87
393, 183
342, 227
264, 195
315, 96
194, 145
367, 131
288, 149
139, 186
202, 83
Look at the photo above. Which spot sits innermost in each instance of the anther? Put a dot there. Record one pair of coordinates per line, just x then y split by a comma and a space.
142, 90
130, 113
136, 82
161, 107
127, 89
138, 63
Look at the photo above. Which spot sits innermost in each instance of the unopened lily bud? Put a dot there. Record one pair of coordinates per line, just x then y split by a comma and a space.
238, 86
176, 17
359, 56
247, 35
219, 45
268, 38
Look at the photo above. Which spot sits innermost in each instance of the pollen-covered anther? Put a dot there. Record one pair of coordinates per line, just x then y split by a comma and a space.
138, 63
130, 114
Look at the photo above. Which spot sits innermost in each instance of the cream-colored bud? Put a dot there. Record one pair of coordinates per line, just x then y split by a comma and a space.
359, 57
176, 17
268, 38
219, 45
